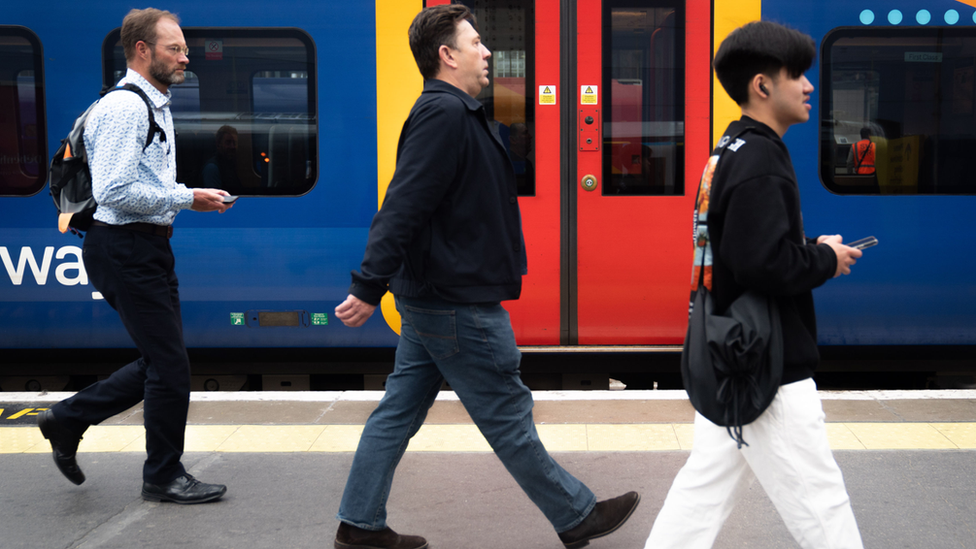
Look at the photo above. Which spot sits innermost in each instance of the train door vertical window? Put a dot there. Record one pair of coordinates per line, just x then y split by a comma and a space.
643, 87
246, 117
898, 110
23, 149
507, 28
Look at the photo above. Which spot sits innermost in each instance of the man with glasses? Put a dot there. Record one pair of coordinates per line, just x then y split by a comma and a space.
129, 260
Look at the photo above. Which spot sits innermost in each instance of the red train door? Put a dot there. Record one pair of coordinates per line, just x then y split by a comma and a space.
604, 108
642, 99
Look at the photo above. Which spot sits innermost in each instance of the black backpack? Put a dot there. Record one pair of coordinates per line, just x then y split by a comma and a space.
70, 177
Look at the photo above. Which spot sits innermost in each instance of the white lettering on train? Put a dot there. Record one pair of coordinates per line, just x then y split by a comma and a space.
40, 272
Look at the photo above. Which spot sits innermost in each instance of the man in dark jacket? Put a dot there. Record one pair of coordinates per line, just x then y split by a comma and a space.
750, 228
448, 244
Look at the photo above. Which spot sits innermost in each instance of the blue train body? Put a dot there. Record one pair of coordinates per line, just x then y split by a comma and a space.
294, 253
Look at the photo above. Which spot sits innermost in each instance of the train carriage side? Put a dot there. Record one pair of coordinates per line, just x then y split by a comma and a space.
903, 70
316, 94
296, 82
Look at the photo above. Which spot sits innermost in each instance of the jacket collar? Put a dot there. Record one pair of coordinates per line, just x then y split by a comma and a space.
759, 127
439, 86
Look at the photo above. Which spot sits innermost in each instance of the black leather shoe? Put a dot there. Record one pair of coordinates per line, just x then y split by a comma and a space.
64, 445
351, 537
184, 489
604, 519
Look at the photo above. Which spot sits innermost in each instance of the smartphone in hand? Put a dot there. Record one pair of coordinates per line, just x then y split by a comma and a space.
863, 243
229, 199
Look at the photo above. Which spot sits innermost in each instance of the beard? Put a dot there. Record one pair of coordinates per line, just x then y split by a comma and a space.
158, 70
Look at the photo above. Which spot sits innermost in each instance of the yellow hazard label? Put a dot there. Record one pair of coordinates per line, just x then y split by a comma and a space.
547, 95
589, 95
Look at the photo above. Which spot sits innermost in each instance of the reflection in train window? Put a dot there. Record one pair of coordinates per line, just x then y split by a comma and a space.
507, 28
23, 149
643, 97
898, 111
245, 117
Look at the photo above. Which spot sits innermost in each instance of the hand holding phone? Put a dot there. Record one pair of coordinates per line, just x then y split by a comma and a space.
229, 199
863, 243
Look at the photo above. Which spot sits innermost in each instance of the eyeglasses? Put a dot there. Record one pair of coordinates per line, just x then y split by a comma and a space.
175, 50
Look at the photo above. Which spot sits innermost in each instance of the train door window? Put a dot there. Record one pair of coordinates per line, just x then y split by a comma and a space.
246, 117
643, 87
507, 28
898, 110
23, 149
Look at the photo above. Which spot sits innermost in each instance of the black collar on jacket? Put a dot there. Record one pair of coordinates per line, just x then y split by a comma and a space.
435, 85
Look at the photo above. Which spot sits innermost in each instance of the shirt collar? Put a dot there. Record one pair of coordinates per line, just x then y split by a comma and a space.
434, 85
158, 98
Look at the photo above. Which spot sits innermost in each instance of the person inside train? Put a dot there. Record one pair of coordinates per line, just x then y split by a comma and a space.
756, 241
220, 171
448, 282
129, 260
860, 159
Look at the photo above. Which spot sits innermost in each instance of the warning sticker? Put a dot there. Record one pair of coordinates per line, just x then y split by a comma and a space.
237, 319
214, 49
547, 95
588, 95
320, 319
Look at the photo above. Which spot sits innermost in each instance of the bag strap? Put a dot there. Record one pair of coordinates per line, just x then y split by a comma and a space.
701, 271
154, 128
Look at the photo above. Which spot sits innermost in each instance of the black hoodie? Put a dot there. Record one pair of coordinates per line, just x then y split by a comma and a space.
757, 239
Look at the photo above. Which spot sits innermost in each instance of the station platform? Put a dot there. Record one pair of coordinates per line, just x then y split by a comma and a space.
909, 460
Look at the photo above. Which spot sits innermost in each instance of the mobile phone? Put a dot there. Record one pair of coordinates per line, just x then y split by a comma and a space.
863, 243
229, 199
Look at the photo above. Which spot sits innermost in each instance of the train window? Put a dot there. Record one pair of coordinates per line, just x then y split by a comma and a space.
23, 139
898, 110
246, 117
507, 28
643, 89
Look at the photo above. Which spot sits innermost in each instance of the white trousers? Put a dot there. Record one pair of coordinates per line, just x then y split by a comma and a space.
787, 452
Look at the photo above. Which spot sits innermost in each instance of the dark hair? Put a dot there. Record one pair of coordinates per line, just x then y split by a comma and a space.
224, 130
435, 27
865, 133
761, 47
140, 25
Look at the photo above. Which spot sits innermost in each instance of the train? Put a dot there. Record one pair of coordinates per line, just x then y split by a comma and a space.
609, 110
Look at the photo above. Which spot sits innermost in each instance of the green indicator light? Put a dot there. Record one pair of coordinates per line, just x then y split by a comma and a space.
237, 319
320, 319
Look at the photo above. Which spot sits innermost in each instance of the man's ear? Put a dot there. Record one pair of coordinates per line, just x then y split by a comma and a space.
447, 57
758, 85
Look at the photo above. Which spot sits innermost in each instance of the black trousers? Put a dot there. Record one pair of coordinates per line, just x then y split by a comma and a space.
134, 272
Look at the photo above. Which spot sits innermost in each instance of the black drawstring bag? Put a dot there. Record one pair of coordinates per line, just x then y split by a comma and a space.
732, 362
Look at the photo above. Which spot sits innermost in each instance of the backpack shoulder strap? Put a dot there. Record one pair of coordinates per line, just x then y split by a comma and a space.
154, 128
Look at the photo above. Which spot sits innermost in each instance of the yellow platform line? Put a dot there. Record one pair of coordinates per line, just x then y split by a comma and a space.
647, 437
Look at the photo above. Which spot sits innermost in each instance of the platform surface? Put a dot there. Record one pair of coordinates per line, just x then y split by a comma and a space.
909, 460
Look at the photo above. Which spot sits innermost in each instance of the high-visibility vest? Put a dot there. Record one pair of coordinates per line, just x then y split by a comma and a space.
864, 157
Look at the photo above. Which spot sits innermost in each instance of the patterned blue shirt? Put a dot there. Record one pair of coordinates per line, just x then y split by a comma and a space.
129, 184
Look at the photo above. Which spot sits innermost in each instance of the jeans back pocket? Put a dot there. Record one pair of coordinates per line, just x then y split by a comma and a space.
436, 328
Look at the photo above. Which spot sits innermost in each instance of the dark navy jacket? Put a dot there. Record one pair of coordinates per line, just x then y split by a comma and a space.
449, 226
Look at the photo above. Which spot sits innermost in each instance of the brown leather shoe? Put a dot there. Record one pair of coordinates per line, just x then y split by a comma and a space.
604, 519
351, 537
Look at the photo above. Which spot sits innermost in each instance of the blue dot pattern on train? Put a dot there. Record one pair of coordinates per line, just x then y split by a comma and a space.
923, 17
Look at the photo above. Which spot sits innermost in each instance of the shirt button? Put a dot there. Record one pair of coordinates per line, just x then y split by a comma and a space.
512, 199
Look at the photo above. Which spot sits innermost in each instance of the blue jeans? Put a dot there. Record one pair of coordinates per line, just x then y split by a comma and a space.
472, 346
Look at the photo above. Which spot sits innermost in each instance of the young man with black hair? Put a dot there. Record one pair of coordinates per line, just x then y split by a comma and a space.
754, 238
